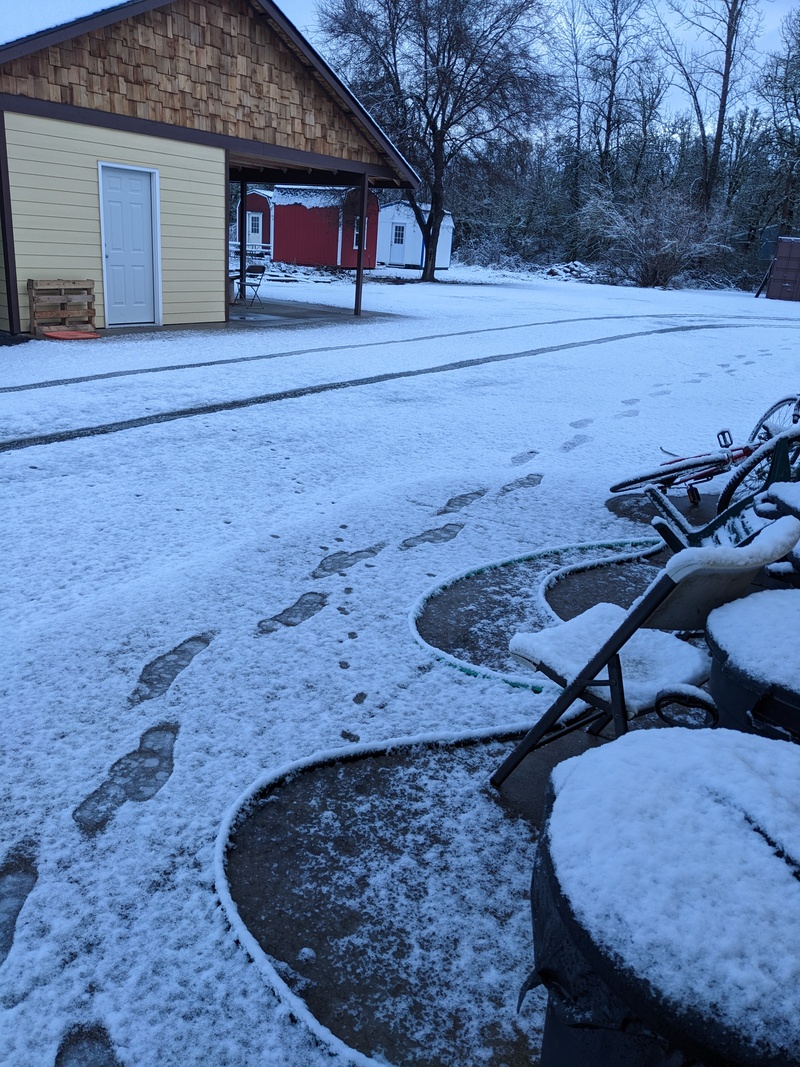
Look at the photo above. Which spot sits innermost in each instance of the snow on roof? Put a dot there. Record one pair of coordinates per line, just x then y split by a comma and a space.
309, 195
23, 20
403, 204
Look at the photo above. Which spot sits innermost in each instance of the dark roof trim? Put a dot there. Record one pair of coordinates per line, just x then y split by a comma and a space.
244, 154
58, 34
360, 114
361, 117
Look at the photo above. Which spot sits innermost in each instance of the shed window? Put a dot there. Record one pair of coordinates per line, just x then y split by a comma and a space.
357, 230
399, 235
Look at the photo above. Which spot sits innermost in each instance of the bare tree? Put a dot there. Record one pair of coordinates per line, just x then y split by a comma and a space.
711, 70
615, 28
443, 78
568, 53
779, 86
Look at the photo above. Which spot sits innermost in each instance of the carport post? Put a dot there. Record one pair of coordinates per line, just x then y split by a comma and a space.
362, 234
242, 238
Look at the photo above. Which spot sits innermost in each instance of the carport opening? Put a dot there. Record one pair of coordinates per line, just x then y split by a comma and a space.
342, 200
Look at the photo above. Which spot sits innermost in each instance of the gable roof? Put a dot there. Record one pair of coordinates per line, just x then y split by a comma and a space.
284, 30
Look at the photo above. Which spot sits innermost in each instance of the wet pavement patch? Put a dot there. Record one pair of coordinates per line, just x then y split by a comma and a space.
473, 618
351, 878
342, 561
433, 537
86, 1046
137, 776
302, 609
17, 878
158, 675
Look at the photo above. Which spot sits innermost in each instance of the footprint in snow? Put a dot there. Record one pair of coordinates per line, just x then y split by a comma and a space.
433, 537
581, 424
524, 457
530, 481
575, 442
86, 1046
158, 676
303, 608
661, 392
17, 878
633, 400
456, 503
631, 413
138, 776
342, 561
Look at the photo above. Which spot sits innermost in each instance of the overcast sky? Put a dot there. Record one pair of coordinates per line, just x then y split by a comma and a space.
21, 19
303, 15
301, 12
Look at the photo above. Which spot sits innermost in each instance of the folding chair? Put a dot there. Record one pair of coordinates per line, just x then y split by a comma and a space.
254, 276
693, 583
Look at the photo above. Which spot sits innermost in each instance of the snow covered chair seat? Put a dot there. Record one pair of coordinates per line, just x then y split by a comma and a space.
650, 660
573, 654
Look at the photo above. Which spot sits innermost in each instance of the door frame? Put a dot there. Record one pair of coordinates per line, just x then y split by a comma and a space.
393, 245
260, 216
155, 216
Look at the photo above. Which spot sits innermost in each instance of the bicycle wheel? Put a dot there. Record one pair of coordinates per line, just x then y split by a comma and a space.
781, 416
751, 474
678, 472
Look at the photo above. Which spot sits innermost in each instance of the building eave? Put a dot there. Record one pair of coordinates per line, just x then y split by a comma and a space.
285, 29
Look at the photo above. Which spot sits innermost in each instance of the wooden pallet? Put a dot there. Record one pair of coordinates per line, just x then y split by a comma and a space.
59, 304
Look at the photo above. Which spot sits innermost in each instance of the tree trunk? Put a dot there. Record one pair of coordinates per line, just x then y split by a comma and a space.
431, 244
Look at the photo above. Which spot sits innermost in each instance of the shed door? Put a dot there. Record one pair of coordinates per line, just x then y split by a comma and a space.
397, 249
129, 246
254, 229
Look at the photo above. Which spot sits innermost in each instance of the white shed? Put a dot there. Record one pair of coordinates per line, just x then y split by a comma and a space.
400, 242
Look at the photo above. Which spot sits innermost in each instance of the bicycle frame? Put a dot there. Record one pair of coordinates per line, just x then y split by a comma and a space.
691, 471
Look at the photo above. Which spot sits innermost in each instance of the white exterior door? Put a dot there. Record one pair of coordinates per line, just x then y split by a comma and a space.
397, 248
254, 229
129, 251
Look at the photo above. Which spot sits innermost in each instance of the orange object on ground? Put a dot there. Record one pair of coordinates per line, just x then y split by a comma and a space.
70, 335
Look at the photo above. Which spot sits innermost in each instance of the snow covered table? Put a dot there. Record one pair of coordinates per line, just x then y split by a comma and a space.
755, 671
666, 898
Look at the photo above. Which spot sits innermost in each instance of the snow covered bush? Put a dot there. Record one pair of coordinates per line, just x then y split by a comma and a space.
652, 240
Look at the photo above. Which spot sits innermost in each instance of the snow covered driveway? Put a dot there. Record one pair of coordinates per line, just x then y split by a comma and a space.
178, 544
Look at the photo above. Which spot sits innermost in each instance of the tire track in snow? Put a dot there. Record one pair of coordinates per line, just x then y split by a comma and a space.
345, 348
353, 383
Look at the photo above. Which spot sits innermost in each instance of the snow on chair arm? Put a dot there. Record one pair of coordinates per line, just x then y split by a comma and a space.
769, 545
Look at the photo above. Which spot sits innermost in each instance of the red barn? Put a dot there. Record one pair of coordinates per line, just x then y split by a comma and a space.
311, 227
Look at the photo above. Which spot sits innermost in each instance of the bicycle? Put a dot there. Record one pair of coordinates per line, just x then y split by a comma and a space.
749, 462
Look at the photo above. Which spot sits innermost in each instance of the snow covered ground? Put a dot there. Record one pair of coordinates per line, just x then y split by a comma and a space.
118, 548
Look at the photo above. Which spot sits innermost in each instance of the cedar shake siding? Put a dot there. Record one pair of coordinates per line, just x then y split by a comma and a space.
213, 68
